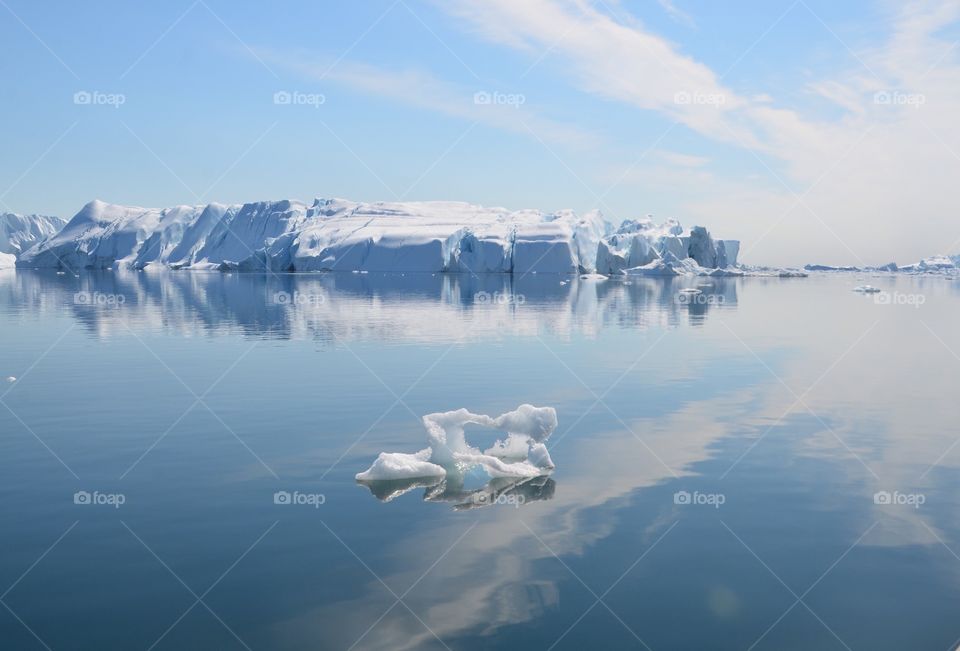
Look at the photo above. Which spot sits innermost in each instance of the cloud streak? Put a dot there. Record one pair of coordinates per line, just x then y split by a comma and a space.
862, 182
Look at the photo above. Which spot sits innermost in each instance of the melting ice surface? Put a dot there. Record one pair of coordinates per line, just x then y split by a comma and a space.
521, 454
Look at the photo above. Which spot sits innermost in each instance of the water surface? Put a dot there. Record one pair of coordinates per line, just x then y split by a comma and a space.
722, 463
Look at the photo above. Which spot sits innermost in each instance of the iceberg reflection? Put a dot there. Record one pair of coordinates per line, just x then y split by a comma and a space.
382, 307
500, 491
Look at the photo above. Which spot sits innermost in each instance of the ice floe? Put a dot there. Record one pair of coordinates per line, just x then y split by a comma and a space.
522, 453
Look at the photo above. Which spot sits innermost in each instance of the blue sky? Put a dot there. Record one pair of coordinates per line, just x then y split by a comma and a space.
760, 120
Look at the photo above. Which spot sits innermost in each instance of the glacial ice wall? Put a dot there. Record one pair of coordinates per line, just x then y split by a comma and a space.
340, 235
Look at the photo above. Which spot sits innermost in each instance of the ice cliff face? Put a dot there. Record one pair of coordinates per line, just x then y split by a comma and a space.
340, 235
19, 232
642, 243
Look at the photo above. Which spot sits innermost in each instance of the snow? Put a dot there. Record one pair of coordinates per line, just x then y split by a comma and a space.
521, 453
656, 268
670, 265
342, 235
20, 232
397, 465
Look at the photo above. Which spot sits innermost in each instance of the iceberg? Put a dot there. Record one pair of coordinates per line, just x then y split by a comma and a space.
827, 267
20, 232
342, 235
940, 265
933, 264
522, 453
650, 249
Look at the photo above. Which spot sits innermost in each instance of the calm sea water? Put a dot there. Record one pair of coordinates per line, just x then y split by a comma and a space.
771, 464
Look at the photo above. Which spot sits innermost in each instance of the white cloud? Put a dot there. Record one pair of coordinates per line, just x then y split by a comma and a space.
883, 173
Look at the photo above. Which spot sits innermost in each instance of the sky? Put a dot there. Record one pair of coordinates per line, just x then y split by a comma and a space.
811, 130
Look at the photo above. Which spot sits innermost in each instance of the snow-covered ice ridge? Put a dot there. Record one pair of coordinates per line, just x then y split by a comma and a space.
19, 232
937, 264
341, 235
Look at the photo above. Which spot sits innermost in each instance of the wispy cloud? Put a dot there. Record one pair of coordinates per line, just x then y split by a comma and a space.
613, 57
501, 108
853, 180
676, 13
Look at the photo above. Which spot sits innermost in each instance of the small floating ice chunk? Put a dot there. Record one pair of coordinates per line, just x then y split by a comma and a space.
521, 453
10, 379
866, 289
397, 465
